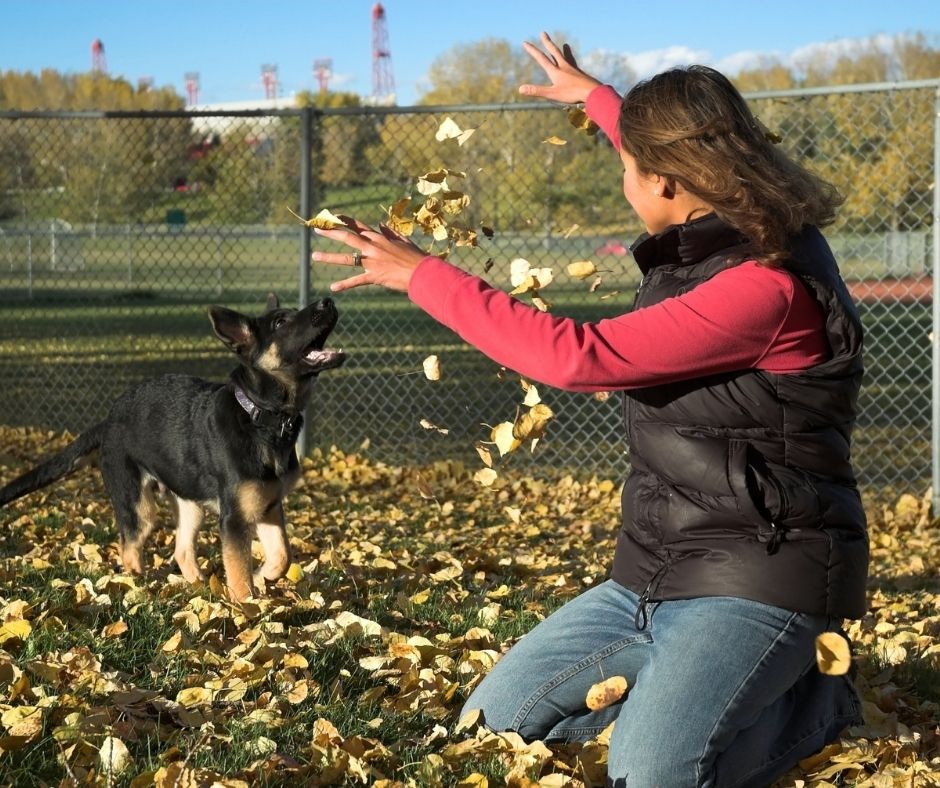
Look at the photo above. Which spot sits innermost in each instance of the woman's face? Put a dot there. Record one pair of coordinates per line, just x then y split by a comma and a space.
641, 192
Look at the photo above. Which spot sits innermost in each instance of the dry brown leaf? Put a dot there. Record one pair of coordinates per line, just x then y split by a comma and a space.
605, 692
432, 367
833, 656
581, 269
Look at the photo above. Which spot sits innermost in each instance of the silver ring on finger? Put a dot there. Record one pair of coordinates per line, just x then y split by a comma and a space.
357, 259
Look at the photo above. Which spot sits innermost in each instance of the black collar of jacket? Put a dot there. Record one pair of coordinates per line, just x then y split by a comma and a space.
685, 244
284, 424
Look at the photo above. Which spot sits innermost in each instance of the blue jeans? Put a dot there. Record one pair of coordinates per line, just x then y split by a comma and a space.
722, 691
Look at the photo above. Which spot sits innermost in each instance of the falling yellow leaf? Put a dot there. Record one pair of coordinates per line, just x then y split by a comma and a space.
582, 269
485, 476
532, 423
523, 277
432, 367
431, 426
502, 435
432, 182
449, 130
541, 304
833, 656
485, 454
400, 217
324, 220
531, 394
553, 140
295, 573
605, 692
578, 118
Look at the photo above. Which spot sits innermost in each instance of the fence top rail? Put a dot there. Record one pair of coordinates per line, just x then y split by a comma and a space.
15, 114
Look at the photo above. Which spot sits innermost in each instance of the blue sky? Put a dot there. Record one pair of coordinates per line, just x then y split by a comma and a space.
226, 41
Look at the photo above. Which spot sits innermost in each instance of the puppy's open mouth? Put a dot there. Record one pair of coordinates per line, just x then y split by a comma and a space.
320, 359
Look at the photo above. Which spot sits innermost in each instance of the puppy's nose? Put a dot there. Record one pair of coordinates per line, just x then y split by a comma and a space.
324, 303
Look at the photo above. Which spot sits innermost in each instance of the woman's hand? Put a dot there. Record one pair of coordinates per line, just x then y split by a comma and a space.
570, 85
378, 257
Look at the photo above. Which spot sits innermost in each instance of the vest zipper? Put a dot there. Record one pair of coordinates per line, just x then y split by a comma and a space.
776, 538
640, 618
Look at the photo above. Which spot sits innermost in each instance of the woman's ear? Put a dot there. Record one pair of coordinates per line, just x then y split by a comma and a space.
661, 186
667, 187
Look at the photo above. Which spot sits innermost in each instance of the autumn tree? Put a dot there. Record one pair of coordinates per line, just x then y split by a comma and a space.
107, 170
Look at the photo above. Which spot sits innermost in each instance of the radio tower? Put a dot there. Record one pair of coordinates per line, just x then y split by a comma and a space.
269, 78
383, 83
98, 64
192, 87
323, 70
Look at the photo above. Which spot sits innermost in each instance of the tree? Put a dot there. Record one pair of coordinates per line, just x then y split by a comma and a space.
484, 72
100, 169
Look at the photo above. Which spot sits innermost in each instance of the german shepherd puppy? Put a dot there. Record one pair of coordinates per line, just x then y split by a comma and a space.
228, 446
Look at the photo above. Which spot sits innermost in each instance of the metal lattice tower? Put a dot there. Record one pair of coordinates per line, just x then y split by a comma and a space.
192, 88
383, 82
269, 80
323, 70
98, 63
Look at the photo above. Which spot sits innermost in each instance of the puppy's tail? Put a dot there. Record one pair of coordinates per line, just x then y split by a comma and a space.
55, 467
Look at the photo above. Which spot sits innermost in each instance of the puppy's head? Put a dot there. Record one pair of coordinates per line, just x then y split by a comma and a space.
287, 344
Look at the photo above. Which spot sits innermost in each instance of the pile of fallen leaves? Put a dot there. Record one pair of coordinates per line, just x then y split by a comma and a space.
408, 585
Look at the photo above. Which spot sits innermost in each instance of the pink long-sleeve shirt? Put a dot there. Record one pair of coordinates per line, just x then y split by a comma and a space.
746, 317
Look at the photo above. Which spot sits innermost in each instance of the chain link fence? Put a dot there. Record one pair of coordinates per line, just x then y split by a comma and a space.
117, 230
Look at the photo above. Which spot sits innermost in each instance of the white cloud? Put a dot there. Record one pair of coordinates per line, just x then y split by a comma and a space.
645, 64
748, 59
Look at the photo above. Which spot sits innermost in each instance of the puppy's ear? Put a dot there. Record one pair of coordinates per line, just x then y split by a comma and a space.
273, 302
233, 328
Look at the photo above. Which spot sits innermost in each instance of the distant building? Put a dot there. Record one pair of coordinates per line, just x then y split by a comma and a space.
213, 125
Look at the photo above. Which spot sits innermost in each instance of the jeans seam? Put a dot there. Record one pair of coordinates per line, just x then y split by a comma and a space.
741, 685
573, 670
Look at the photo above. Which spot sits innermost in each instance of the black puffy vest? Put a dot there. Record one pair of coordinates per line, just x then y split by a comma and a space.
741, 483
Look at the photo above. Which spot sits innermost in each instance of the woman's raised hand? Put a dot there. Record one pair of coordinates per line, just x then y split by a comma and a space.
570, 85
378, 257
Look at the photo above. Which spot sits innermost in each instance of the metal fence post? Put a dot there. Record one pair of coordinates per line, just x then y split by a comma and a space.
935, 335
306, 125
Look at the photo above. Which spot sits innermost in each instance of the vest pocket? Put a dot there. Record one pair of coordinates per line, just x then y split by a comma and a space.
783, 500
752, 508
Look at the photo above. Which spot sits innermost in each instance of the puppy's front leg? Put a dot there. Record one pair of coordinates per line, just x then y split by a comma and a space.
272, 534
236, 537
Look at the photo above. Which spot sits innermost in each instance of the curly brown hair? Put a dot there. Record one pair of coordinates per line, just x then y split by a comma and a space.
692, 125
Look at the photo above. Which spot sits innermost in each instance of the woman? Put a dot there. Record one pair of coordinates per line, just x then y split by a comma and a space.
743, 533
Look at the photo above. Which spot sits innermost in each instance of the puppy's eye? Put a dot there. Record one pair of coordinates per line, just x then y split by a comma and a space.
279, 322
